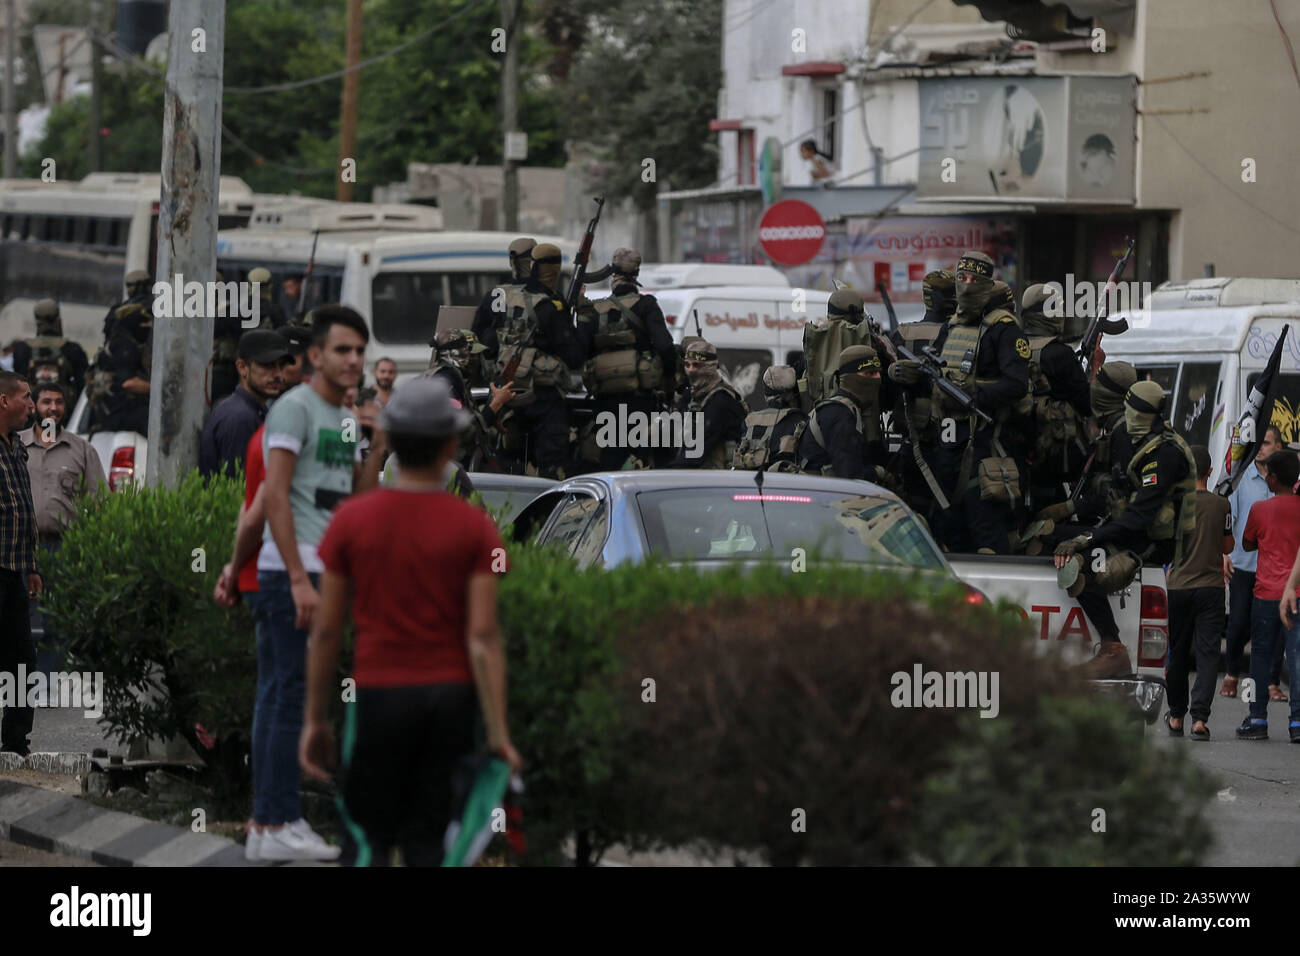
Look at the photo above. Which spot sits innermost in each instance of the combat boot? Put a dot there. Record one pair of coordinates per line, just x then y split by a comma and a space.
1110, 661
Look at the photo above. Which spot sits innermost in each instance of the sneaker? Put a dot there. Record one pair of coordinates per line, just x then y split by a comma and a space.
1253, 729
1294, 730
304, 830
288, 843
253, 845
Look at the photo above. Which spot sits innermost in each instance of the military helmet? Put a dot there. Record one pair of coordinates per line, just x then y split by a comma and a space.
1117, 377
857, 358
1034, 297
546, 253
626, 261
845, 302
457, 340
260, 274
137, 280
780, 378
939, 285
46, 309
701, 350
1146, 397
522, 246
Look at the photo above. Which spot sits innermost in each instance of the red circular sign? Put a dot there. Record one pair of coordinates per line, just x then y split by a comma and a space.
791, 232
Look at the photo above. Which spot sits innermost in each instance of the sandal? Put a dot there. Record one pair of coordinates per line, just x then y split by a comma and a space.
1229, 688
1275, 693
1173, 731
1200, 734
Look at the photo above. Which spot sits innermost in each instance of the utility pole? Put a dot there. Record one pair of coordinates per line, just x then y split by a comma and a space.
351, 94
94, 145
187, 233
11, 128
511, 17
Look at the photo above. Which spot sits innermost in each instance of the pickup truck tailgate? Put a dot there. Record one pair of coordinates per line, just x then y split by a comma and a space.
1141, 609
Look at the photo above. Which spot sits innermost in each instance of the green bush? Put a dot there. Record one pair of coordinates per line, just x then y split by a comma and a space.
772, 694
124, 588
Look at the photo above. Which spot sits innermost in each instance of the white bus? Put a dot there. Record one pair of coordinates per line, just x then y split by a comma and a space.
75, 242
396, 280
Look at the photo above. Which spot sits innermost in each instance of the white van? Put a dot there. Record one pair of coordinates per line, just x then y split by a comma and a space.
1206, 341
753, 327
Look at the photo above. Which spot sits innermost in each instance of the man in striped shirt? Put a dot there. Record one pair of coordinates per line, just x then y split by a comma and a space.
18, 578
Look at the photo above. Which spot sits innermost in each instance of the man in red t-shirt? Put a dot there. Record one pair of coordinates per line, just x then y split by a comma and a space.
1274, 529
419, 567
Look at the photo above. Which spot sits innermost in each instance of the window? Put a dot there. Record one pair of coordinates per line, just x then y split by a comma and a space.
403, 304
710, 523
571, 521
1194, 409
1166, 375
745, 165
829, 122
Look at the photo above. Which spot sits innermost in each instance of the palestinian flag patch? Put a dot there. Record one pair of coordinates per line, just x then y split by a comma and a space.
1148, 480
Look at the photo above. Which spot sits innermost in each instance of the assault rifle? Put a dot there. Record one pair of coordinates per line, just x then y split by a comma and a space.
582, 258
1100, 322
306, 276
932, 367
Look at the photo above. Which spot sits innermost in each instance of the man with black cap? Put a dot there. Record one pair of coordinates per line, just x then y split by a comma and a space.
844, 438
630, 359
985, 355
419, 569
492, 310
722, 409
1156, 527
1052, 417
538, 329
224, 442
772, 434
50, 358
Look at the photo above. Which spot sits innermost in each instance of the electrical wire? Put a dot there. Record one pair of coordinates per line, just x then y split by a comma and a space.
1290, 50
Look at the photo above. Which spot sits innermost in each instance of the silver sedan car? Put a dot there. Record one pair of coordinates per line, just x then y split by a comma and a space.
708, 517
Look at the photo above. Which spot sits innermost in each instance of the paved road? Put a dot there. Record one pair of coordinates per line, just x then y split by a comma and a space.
1255, 815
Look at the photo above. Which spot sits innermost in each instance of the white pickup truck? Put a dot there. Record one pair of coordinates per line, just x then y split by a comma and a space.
1141, 613
124, 455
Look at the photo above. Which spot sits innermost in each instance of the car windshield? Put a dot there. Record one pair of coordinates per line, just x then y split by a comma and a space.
709, 523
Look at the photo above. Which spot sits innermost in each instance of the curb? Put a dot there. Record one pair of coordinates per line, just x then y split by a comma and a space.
59, 823
47, 762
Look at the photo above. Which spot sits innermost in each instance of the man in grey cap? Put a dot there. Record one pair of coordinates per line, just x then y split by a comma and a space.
493, 306
629, 354
224, 442
48, 356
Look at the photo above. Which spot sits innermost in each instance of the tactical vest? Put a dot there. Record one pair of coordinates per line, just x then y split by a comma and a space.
1054, 422
617, 367
535, 366
1176, 519
48, 363
822, 346
755, 449
723, 453
959, 354
867, 426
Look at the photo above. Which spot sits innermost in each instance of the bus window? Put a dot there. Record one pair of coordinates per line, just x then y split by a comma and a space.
1194, 409
403, 304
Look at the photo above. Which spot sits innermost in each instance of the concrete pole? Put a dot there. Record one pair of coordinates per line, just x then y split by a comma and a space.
94, 145
187, 234
351, 94
511, 17
10, 93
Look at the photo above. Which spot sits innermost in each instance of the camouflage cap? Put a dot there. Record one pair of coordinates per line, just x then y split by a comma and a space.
857, 358
260, 275
845, 302
780, 378
976, 263
626, 261
46, 309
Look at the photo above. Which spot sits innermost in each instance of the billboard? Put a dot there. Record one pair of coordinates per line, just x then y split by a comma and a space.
1037, 139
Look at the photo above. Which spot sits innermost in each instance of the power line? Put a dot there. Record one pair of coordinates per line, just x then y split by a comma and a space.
1290, 50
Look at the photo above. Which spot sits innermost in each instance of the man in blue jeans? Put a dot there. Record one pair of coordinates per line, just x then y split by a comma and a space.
310, 446
1274, 529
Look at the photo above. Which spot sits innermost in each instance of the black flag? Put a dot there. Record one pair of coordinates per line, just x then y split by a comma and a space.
1249, 431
